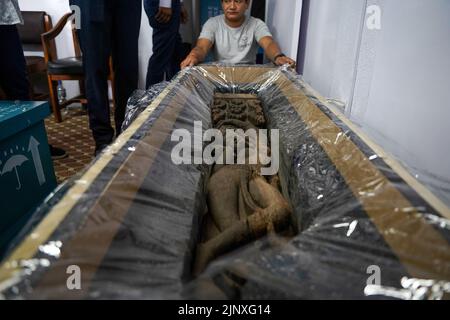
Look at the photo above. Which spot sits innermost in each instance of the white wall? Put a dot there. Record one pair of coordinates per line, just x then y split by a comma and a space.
57, 8
409, 101
397, 88
283, 20
334, 29
64, 43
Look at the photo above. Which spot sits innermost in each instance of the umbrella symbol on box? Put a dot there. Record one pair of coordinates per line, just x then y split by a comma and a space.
12, 164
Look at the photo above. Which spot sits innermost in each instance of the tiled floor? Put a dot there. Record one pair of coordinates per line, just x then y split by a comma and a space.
74, 136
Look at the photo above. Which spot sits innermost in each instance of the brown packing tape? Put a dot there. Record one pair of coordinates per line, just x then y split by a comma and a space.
235, 96
323, 129
426, 194
110, 209
398, 228
10, 268
237, 74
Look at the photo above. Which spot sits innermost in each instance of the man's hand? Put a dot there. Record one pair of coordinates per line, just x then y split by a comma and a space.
285, 60
190, 61
197, 54
164, 15
184, 15
272, 49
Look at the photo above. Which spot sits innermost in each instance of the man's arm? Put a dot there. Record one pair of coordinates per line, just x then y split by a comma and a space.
198, 54
273, 52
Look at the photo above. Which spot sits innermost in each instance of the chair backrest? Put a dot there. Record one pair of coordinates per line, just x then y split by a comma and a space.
35, 24
48, 38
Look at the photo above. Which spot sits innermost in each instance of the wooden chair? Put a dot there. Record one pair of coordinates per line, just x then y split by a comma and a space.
36, 23
65, 69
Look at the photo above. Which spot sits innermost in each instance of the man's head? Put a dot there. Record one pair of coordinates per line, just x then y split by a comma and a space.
234, 10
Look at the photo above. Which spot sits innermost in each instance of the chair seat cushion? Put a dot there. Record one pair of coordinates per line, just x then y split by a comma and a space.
69, 66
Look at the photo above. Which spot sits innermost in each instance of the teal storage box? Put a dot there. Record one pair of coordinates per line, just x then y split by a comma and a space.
26, 169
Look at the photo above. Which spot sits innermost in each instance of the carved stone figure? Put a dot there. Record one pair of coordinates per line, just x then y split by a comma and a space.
242, 205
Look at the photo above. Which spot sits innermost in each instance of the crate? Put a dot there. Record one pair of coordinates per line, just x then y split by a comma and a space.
26, 169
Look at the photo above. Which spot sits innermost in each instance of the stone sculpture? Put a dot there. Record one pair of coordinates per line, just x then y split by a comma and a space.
242, 205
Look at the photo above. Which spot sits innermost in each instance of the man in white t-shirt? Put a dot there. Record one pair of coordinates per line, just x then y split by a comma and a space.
235, 38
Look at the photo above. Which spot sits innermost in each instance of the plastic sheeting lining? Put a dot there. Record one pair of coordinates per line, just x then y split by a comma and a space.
129, 224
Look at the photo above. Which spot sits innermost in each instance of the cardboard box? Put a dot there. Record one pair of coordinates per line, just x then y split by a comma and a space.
26, 169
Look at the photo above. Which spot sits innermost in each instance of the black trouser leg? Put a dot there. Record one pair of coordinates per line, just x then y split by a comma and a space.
13, 68
112, 30
126, 27
96, 40
177, 57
